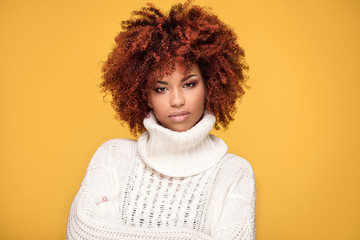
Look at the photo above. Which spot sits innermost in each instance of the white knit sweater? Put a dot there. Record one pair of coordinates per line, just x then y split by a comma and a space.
167, 185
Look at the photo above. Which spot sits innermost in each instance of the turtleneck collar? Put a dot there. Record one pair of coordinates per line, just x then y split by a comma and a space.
180, 154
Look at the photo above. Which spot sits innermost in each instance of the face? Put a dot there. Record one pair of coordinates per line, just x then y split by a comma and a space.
178, 100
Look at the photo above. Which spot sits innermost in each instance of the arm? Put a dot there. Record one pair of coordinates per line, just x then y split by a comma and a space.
94, 189
237, 220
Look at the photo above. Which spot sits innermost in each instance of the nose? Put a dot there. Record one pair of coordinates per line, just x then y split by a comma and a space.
177, 98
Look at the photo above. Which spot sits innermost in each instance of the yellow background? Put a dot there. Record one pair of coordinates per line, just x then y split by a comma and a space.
298, 125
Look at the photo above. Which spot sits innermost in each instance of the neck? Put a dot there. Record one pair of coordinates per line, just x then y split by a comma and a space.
180, 154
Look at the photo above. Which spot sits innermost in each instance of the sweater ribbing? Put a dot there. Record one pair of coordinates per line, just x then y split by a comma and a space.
180, 154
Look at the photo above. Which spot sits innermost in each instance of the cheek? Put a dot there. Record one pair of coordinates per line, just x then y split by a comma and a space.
158, 105
200, 97
152, 102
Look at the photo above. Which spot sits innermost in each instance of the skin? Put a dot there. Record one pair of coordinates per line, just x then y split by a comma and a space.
178, 100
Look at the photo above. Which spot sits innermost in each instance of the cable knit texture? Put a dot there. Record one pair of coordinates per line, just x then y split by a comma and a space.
166, 185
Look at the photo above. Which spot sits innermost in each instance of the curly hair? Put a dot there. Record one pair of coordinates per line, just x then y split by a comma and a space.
150, 44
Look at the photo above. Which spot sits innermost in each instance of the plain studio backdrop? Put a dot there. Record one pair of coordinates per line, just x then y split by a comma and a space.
298, 125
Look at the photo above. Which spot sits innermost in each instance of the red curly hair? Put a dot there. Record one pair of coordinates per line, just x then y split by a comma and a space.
150, 45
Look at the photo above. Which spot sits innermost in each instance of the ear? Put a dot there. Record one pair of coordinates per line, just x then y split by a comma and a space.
149, 102
150, 105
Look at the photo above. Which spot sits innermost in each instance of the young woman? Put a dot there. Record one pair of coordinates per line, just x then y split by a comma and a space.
172, 78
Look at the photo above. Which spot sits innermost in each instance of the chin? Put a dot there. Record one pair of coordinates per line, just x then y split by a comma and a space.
180, 128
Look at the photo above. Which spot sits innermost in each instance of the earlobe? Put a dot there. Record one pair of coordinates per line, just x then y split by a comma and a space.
149, 101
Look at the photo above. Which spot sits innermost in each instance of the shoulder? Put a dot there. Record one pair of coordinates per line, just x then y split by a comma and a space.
118, 142
243, 184
236, 165
113, 149
234, 183
236, 175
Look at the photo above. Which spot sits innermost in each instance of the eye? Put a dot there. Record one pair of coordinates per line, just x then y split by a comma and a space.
160, 89
190, 85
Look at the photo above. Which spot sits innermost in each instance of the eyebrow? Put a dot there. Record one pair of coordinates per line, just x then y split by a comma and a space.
182, 80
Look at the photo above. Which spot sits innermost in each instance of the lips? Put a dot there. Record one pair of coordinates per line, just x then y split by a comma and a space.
179, 116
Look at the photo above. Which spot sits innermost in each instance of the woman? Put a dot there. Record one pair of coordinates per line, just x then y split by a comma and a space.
172, 78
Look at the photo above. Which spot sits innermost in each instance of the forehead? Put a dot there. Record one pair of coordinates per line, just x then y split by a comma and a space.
179, 70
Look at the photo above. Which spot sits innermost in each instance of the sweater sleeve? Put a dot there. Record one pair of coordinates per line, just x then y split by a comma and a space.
94, 201
237, 219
